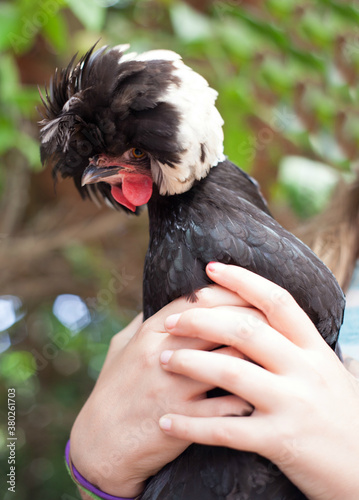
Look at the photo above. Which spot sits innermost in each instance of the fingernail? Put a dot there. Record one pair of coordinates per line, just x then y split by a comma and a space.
172, 321
165, 357
215, 266
165, 423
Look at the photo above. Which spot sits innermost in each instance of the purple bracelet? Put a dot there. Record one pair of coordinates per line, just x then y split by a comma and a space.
84, 483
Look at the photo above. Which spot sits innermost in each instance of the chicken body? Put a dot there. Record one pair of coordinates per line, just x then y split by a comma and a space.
136, 129
239, 230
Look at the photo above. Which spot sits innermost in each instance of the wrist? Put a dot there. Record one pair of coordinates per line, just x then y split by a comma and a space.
97, 491
122, 487
111, 471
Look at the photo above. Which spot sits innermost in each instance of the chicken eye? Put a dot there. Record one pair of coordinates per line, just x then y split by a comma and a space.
137, 153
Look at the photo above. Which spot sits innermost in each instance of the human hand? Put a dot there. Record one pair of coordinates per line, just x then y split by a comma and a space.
116, 443
306, 404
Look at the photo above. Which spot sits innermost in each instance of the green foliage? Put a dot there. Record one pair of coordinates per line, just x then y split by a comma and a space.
251, 56
17, 367
286, 73
22, 22
309, 183
89, 12
52, 378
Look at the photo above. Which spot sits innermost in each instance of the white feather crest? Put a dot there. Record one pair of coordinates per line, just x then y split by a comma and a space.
200, 128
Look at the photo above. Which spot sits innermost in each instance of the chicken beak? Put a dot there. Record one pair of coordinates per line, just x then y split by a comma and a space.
94, 174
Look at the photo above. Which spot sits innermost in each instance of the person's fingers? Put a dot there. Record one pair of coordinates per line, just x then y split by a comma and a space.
244, 329
215, 295
188, 391
280, 308
244, 433
242, 378
219, 407
193, 391
208, 297
229, 351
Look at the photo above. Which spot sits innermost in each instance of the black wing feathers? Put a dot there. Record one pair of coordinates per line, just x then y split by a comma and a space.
230, 223
225, 218
222, 474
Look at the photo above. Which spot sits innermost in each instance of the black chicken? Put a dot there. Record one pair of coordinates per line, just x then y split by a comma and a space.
134, 129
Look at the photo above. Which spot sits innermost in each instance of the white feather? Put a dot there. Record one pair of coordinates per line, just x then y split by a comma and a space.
48, 130
122, 47
93, 192
200, 124
151, 55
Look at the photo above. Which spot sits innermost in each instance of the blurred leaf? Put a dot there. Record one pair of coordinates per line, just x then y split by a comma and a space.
9, 77
348, 10
273, 33
30, 149
188, 24
319, 27
281, 8
56, 31
323, 104
327, 147
238, 39
277, 74
8, 135
9, 23
17, 366
32, 15
26, 99
89, 12
307, 184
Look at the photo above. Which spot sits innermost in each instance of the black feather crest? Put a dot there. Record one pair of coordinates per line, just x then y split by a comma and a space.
102, 104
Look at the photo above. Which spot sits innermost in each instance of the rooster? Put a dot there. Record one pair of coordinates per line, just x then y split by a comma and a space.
135, 129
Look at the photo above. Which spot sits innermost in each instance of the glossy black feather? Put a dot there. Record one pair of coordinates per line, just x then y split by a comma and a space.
213, 473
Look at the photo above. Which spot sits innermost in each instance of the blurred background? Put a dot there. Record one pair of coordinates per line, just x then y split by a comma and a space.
286, 72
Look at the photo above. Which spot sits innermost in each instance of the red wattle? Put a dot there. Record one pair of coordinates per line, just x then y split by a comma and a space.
136, 190
117, 194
